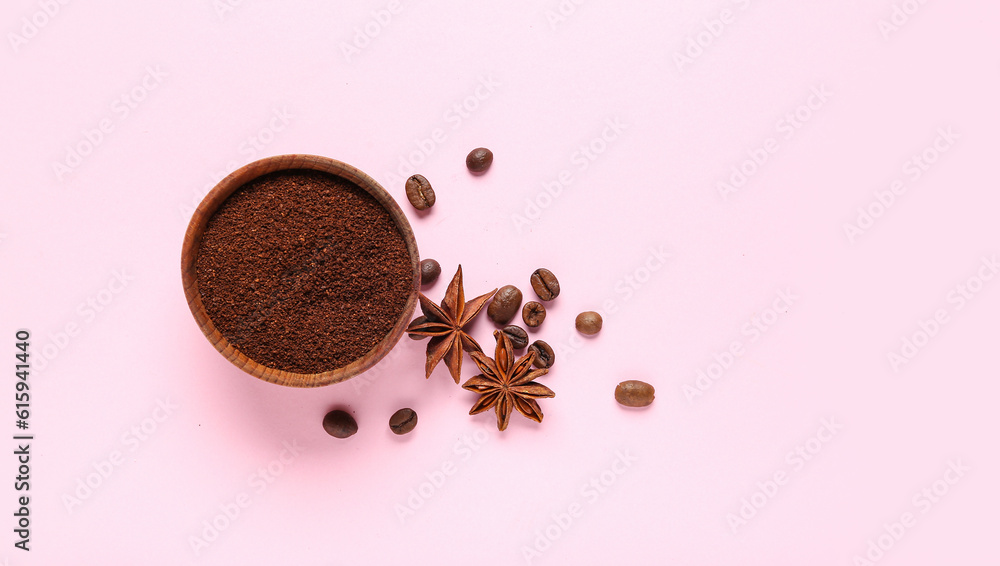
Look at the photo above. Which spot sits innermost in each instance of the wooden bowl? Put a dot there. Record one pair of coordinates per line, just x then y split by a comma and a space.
192, 246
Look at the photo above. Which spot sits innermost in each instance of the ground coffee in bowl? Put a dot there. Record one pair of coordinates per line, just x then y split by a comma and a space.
302, 274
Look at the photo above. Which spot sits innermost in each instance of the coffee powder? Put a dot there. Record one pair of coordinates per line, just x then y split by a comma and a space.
303, 271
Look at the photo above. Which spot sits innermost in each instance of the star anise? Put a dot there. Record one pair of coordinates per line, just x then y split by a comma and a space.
507, 384
445, 325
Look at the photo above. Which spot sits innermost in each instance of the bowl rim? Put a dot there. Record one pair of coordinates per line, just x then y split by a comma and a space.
192, 244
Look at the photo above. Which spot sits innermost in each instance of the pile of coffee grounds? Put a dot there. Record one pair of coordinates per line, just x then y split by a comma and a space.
303, 271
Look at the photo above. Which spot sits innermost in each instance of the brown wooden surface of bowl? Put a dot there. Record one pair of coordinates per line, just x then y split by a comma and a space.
192, 245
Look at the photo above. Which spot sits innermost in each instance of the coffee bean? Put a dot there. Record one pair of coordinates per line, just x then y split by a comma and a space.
545, 284
533, 313
589, 323
419, 192
340, 424
505, 304
418, 320
544, 356
429, 271
518, 336
479, 160
634, 393
403, 421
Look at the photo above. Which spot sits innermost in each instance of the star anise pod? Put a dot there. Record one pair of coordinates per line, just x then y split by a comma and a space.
506, 384
445, 325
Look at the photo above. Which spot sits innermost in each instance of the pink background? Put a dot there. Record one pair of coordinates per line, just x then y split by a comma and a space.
268, 78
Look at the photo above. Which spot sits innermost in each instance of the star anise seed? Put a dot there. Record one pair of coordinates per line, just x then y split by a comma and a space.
445, 324
506, 384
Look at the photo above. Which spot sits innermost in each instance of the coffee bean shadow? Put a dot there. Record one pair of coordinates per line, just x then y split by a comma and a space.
626, 409
402, 438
